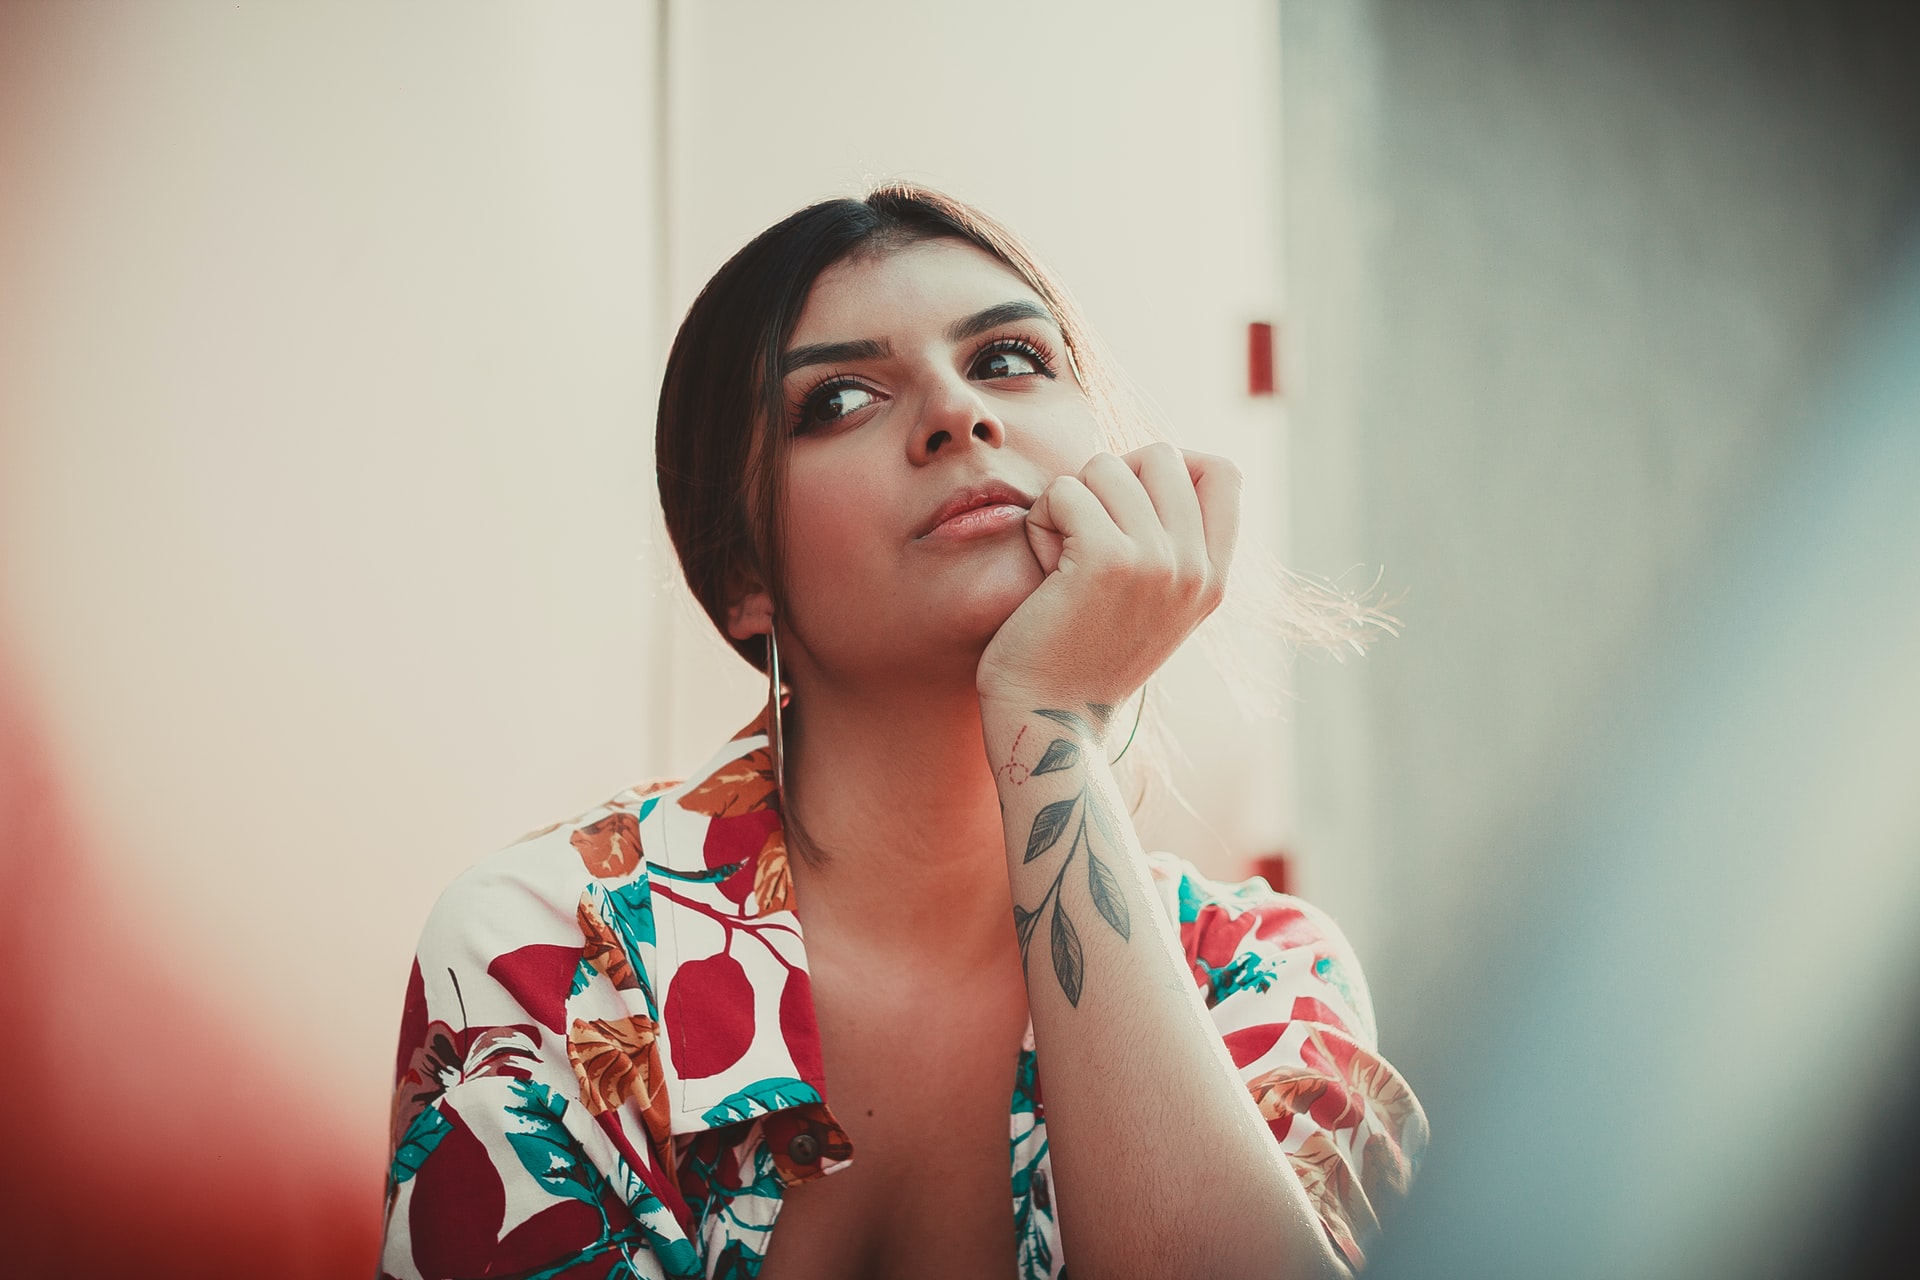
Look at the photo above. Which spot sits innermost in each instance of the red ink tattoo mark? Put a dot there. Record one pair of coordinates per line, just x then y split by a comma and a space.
1013, 764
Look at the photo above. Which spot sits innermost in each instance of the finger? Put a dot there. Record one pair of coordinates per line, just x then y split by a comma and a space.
1163, 474
1044, 538
1119, 490
1217, 483
1067, 509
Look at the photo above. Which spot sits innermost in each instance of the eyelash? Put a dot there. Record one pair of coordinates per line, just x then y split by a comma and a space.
1027, 347
1033, 349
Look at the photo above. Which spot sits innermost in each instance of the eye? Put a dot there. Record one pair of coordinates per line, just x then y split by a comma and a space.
1010, 358
830, 402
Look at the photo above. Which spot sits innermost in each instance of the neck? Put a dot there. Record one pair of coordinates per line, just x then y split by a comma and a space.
906, 855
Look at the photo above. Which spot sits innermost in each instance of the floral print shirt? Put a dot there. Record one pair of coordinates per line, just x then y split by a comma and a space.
609, 1065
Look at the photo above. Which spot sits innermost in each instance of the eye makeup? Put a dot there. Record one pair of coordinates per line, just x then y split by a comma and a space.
804, 408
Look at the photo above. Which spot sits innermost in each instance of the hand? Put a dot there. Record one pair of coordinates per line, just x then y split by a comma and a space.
1136, 551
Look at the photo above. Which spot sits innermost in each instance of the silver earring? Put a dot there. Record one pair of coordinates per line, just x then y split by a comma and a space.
776, 737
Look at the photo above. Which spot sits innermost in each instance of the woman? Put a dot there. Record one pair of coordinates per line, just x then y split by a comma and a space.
883, 459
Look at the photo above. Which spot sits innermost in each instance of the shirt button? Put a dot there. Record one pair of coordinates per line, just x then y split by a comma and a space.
804, 1148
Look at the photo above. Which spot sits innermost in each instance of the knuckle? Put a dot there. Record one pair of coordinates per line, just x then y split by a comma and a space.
1139, 564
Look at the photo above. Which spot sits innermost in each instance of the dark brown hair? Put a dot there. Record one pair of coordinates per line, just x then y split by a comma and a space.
720, 442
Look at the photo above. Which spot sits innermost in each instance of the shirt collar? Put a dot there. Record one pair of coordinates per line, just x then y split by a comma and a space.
730, 968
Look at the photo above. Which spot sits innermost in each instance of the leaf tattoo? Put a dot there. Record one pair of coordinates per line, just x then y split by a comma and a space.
1047, 827
1060, 754
1074, 722
1107, 898
1069, 962
1103, 818
1023, 921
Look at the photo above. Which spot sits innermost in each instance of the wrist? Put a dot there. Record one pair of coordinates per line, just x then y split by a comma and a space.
1029, 738
1063, 716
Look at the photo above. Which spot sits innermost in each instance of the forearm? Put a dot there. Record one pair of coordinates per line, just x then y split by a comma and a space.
1155, 1141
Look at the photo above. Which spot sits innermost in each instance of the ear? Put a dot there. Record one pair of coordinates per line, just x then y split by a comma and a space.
751, 613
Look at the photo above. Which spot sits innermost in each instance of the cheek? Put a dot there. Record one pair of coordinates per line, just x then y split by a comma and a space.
830, 535
1072, 440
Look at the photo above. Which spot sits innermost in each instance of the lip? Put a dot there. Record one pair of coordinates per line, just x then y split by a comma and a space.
975, 509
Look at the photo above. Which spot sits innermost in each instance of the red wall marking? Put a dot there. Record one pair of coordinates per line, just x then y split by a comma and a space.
1276, 869
1260, 381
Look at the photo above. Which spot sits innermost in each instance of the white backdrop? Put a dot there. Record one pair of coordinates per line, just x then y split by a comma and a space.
329, 554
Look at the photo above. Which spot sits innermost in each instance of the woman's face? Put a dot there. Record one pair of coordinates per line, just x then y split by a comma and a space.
930, 401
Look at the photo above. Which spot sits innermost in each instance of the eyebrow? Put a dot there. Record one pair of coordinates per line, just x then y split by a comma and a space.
878, 349
834, 353
993, 317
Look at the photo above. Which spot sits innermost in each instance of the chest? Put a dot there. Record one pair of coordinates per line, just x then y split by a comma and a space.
913, 1203
925, 1100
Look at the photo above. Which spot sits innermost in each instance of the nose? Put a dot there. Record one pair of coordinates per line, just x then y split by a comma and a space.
955, 417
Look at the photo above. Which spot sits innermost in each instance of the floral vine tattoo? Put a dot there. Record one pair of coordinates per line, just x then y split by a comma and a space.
1049, 825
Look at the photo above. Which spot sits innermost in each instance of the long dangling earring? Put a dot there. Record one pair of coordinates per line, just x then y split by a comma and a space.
776, 736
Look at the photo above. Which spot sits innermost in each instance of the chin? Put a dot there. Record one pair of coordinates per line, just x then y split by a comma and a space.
935, 620
978, 607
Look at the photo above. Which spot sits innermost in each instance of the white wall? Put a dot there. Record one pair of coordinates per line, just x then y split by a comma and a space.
329, 554
1136, 151
326, 359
